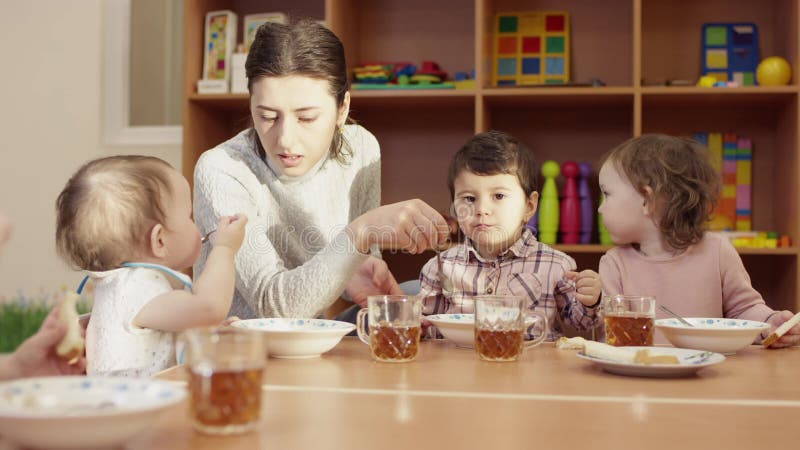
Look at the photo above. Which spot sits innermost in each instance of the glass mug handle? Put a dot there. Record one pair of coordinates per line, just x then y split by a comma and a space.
534, 342
360, 324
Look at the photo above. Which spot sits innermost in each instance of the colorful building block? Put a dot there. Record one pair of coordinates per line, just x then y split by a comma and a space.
744, 156
730, 52
531, 48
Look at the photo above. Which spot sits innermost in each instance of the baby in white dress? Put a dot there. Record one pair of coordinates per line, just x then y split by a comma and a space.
127, 221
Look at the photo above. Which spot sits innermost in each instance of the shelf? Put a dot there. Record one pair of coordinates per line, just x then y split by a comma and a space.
671, 32
628, 44
742, 97
428, 98
559, 96
609, 58
599, 248
769, 251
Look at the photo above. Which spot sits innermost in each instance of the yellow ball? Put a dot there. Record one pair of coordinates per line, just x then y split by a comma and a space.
773, 71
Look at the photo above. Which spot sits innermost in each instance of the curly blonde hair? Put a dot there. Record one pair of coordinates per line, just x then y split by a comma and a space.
106, 209
684, 184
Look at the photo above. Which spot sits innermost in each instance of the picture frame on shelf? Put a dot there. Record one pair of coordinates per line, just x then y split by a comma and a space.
253, 21
220, 42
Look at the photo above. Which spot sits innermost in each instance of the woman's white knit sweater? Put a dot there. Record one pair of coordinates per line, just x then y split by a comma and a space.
296, 257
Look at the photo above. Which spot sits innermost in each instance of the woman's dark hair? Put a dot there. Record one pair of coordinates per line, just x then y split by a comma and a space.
683, 182
305, 48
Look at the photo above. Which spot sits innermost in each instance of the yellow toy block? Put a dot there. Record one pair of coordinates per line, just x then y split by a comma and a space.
717, 59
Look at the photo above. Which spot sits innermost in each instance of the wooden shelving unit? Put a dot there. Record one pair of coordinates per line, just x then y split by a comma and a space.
622, 42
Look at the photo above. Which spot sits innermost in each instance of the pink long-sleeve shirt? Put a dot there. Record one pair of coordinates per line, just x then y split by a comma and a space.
706, 280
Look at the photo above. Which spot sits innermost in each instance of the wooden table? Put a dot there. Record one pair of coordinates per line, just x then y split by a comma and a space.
448, 399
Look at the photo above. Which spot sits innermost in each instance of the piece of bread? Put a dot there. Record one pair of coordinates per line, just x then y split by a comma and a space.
574, 343
608, 352
71, 346
644, 357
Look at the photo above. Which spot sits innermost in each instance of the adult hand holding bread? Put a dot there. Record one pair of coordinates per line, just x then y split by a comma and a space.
38, 356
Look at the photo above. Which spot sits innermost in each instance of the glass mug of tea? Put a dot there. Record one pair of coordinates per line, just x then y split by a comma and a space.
225, 368
394, 327
629, 320
501, 323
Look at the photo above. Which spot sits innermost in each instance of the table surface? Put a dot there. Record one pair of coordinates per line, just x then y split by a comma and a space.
448, 398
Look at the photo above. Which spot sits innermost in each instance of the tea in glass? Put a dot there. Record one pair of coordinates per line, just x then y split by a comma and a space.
389, 342
225, 398
394, 327
225, 368
629, 320
500, 326
498, 345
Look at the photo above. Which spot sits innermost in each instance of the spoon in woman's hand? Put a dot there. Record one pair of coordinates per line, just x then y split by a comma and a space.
205, 238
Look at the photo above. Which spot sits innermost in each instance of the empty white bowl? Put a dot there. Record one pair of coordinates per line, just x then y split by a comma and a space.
298, 338
726, 336
459, 328
82, 412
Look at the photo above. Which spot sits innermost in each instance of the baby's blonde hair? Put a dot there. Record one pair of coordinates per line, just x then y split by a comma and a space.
107, 208
683, 181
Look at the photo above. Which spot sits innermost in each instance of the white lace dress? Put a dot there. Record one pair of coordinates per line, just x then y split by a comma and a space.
114, 345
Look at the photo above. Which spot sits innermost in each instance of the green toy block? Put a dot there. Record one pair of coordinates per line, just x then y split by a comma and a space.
716, 36
508, 24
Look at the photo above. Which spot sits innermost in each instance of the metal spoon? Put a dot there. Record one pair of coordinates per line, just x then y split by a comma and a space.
682, 320
205, 238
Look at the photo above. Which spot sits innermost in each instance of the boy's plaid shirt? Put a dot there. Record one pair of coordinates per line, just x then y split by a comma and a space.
528, 268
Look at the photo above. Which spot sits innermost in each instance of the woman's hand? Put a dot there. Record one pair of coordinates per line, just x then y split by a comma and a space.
372, 278
37, 355
412, 226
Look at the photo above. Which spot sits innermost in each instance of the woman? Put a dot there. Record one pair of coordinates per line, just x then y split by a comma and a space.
309, 184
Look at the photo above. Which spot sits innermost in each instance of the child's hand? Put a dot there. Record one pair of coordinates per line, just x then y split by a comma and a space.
792, 337
229, 321
587, 286
230, 232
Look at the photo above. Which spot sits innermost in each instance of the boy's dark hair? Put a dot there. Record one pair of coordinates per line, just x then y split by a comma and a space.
493, 153
684, 183
302, 48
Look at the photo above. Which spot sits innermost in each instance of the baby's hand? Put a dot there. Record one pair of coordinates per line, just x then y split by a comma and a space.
587, 285
230, 232
792, 337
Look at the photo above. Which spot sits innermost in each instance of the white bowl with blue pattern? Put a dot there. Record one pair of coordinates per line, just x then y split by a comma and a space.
458, 328
298, 338
79, 412
726, 336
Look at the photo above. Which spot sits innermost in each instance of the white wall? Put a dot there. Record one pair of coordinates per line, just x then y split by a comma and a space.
51, 97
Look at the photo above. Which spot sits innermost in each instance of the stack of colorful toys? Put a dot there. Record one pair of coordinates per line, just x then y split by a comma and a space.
570, 218
401, 75
731, 156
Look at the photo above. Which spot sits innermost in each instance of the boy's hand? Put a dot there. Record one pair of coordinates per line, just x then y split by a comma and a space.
587, 286
792, 337
230, 232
